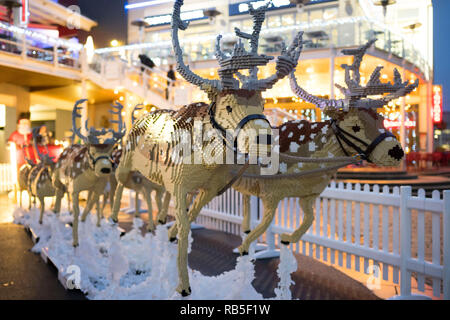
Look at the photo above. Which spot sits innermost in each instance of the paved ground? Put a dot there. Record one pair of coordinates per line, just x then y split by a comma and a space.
23, 274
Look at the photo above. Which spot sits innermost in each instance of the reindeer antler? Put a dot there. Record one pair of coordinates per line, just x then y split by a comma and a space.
285, 64
76, 115
136, 108
355, 93
184, 70
120, 133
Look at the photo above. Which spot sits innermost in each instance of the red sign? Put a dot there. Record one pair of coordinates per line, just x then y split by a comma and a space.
25, 13
437, 104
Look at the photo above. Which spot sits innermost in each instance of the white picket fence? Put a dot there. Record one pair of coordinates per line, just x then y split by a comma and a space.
406, 237
6, 177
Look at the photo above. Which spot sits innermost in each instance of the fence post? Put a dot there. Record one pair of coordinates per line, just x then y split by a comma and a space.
446, 231
405, 241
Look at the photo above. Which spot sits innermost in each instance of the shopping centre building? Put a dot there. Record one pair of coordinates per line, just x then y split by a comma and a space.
405, 42
44, 74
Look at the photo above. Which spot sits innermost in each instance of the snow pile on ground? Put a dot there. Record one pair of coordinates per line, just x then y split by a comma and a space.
108, 266
288, 265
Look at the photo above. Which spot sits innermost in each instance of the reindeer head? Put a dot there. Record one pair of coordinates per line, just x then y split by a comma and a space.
357, 125
42, 139
100, 143
237, 104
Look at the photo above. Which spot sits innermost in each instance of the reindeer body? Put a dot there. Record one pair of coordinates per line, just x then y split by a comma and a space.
139, 184
87, 167
74, 173
41, 185
149, 150
236, 106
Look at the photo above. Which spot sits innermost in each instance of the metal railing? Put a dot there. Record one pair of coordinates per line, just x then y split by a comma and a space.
338, 33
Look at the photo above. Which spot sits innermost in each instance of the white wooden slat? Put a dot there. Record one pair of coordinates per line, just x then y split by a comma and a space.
325, 227
332, 228
340, 229
348, 229
366, 234
285, 212
292, 212
396, 237
385, 235
318, 222
357, 226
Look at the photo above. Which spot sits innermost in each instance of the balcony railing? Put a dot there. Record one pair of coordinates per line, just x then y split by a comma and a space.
39, 47
338, 33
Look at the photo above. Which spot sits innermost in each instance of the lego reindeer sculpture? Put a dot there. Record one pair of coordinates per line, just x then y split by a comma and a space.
40, 179
311, 153
139, 184
308, 150
24, 173
86, 167
237, 106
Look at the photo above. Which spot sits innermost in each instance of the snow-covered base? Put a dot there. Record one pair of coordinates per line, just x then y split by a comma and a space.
107, 266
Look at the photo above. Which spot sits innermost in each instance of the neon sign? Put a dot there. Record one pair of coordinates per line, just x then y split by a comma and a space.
437, 104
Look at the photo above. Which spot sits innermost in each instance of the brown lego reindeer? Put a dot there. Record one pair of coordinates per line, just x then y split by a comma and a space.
311, 153
139, 184
86, 167
355, 128
24, 173
237, 107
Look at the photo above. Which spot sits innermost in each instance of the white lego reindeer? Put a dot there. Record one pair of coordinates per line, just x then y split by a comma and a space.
236, 106
40, 177
87, 167
139, 184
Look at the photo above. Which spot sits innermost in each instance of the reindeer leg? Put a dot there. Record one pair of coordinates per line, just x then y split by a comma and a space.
184, 227
307, 207
99, 209
59, 196
158, 199
270, 207
117, 200
20, 198
162, 215
203, 197
148, 199
76, 213
246, 228
41, 216
29, 200
89, 205
136, 204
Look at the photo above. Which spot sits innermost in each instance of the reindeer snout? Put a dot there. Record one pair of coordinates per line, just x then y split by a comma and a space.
396, 153
105, 170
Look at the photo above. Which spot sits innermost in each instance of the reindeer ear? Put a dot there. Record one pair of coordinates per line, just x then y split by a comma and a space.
332, 112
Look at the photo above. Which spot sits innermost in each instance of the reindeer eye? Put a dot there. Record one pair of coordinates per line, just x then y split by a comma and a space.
356, 128
229, 109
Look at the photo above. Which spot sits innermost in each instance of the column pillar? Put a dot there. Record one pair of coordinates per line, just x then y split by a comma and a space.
84, 110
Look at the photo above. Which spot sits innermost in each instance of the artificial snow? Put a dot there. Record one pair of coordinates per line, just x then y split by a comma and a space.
135, 266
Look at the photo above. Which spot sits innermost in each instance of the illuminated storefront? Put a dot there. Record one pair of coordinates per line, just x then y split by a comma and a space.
329, 26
